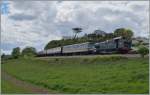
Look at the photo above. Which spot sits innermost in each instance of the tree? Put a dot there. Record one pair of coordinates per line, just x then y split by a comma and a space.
29, 52
16, 52
127, 33
110, 35
143, 51
76, 31
53, 44
3, 56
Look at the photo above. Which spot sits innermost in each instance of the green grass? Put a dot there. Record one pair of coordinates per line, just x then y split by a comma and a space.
84, 75
9, 87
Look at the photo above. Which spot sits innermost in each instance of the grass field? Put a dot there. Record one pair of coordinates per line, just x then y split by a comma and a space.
8, 87
83, 75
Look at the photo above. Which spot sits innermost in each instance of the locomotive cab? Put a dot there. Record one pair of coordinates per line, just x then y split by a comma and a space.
128, 44
118, 44
124, 45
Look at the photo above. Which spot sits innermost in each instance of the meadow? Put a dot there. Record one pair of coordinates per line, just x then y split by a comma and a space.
112, 75
8, 87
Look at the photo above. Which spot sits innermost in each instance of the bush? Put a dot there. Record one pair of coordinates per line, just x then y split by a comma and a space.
143, 51
5, 57
85, 61
28, 52
56, 59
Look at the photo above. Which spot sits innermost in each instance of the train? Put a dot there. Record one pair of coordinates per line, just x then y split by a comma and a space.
117, 45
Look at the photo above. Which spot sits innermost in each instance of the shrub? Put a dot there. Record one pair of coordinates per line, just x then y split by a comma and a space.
29, 52
85, 60
56, 59
143, 51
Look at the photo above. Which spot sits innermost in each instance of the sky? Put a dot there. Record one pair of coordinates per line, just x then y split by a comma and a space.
35, 23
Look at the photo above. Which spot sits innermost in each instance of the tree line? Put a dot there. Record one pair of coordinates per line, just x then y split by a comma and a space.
126, 33
16, 53
30, 52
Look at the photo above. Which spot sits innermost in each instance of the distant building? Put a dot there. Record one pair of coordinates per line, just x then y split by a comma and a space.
99, 32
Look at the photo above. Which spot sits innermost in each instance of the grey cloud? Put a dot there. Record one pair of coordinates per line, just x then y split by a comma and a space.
23, 5
21, 17
138, 7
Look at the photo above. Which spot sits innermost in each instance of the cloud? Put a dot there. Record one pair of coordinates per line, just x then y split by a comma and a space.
5, 51
65, 12
35, 23
21, 17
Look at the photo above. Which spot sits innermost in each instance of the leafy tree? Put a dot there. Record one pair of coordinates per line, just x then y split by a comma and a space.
88, 38
76, 31
16, 52
143, 51
3, 56
127, 33
109, 35
29, 52
54, 43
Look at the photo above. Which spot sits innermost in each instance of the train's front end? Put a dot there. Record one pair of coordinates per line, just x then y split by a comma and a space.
118, 44
123, 45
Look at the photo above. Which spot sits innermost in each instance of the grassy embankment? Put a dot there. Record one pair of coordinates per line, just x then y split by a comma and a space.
8, 87
83, 75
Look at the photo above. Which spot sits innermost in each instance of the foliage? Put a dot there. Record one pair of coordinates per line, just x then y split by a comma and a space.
16, 52
127, 33
85, 38
58, 43
84, 75
89, 38
53, 43
143, 50
5, 57
29, 51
